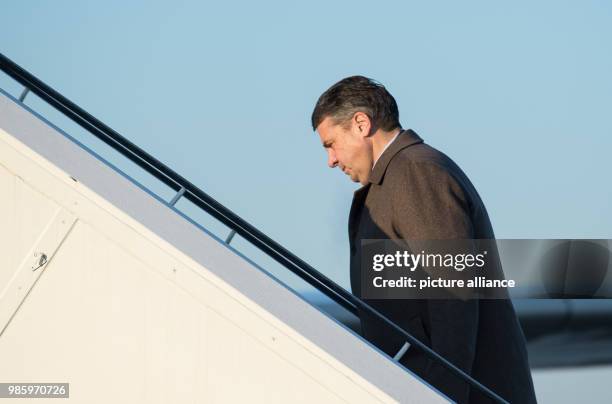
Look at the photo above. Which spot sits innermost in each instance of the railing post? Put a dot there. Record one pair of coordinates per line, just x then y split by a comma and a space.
401, 352
178, 196
23, 94
230, 237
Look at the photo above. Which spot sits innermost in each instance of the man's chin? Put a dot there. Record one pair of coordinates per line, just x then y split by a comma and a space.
356, 179
362, 181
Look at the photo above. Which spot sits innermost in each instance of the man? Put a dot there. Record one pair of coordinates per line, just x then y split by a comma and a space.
412, 191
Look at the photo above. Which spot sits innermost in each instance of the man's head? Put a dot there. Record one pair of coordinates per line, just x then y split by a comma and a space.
346, 116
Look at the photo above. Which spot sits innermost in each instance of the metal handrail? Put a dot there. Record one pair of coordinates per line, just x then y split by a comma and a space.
238, 225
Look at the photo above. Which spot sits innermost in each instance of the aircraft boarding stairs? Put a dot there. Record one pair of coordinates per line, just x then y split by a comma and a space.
109, 287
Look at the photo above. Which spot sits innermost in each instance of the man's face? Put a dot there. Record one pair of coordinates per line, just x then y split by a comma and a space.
348, 148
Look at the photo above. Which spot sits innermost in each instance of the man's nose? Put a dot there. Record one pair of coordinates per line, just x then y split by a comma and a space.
332, 161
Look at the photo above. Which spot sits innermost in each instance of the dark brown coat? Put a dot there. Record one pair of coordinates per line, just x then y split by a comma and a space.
417, 192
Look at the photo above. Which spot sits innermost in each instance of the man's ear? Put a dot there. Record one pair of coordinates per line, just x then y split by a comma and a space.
362, 124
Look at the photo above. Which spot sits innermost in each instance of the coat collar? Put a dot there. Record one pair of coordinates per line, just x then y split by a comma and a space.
406, 138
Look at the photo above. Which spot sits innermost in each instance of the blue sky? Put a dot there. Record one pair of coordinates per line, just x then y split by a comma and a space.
518, 94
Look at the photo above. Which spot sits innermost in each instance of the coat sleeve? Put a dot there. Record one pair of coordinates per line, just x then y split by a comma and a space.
429, 204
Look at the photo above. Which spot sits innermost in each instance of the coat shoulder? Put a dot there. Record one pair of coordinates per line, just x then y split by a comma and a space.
422, 159
422, 154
